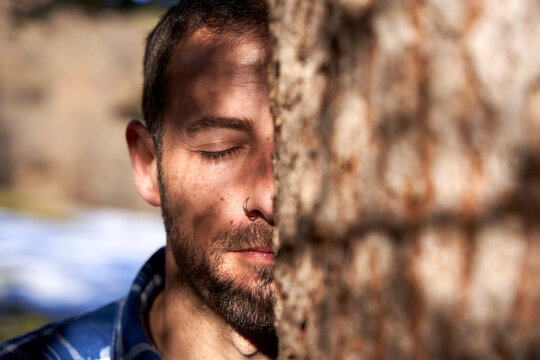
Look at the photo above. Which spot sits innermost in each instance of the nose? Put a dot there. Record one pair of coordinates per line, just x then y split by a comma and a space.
261, 198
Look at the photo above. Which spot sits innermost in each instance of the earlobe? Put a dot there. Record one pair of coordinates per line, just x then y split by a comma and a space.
143, 161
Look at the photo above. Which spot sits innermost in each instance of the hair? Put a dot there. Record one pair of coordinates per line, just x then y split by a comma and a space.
219, 18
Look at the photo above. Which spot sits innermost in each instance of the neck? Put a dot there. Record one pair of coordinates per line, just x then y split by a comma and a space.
182, 327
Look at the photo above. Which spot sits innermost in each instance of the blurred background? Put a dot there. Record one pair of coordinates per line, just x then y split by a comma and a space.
73, 230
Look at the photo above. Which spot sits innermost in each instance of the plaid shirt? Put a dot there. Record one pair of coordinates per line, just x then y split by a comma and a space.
115, 331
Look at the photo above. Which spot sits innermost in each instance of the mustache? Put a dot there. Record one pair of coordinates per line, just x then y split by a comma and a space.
256, 234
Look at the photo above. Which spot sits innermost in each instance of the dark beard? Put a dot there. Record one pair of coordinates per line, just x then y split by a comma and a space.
248, 308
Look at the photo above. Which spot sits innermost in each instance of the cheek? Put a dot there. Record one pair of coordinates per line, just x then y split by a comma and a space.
202, 198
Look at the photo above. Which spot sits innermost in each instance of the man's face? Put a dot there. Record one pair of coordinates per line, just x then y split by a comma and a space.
217, 148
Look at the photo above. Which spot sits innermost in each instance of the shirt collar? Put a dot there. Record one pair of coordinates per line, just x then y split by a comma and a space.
130, 340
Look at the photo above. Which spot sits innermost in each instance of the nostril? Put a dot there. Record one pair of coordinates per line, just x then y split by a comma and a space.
251, 214
256, 213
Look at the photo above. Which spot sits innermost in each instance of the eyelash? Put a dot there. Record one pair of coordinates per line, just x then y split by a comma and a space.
220, 155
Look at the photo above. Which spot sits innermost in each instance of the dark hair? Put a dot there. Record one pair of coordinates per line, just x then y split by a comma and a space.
218, 17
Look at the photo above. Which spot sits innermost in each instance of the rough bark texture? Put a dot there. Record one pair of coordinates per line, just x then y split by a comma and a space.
408, 176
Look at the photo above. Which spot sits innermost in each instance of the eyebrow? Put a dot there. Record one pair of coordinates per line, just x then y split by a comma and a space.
212, 122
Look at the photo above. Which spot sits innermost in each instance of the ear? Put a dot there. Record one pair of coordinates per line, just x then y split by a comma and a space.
143, 161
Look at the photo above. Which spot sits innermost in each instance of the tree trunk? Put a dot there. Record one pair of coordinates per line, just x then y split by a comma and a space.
408, 173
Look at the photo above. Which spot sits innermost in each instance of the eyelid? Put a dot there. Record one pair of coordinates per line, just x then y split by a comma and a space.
213, 140
215, 146
222, 154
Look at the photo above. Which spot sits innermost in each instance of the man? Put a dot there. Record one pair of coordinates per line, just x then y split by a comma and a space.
204, 156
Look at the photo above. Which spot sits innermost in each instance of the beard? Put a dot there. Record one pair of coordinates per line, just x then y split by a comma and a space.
247, 306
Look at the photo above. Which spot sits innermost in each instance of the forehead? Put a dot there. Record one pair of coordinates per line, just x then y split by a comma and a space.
208, 71
206, 54
204, 48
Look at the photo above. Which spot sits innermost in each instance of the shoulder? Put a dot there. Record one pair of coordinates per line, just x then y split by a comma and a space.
88, 336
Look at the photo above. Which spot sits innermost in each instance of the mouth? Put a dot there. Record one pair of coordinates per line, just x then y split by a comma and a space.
263, 255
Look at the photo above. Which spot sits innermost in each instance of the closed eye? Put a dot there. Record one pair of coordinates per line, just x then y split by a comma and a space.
220, 155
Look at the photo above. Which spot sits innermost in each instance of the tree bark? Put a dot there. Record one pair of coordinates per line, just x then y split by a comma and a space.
408, 176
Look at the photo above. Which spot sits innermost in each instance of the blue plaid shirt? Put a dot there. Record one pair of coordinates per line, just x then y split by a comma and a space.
115, 331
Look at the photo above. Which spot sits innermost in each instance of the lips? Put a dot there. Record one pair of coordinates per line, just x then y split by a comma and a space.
258, 254
252, 243
263, 249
